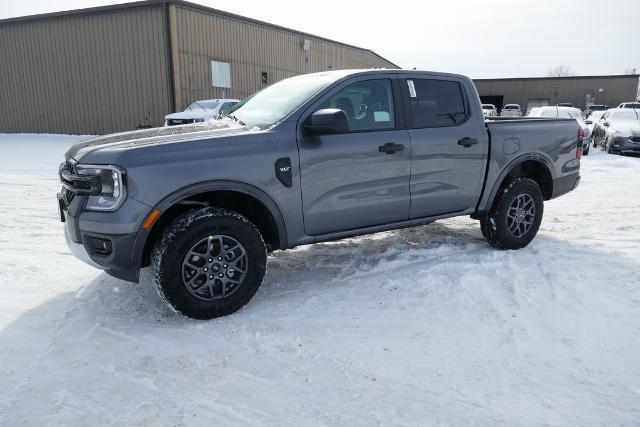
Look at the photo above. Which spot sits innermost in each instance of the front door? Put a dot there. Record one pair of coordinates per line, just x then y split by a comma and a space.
353, 180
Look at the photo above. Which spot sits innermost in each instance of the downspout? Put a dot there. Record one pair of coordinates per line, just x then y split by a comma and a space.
172, 53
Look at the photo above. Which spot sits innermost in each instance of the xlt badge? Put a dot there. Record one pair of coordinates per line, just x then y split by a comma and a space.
283, 171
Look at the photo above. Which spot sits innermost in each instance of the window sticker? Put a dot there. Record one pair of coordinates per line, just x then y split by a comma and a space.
412, 89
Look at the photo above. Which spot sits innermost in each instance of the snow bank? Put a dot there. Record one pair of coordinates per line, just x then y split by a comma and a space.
35, 154
424, 326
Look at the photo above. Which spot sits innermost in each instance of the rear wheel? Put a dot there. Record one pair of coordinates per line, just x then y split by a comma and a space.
515, 216
209, 263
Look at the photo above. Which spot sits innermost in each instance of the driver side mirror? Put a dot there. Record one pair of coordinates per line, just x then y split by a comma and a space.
589, 122
327, 121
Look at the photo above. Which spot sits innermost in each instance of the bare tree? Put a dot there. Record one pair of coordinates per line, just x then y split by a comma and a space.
561, 71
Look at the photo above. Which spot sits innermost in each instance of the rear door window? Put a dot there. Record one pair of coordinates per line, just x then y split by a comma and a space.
436, 103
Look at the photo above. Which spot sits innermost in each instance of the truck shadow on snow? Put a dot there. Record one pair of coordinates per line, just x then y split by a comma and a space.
414, 266
314, 270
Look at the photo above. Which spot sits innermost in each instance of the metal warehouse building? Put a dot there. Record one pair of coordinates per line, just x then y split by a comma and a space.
539, 91
122, 67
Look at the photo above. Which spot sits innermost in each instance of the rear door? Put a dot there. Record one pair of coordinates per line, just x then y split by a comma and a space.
358, 178
449, 143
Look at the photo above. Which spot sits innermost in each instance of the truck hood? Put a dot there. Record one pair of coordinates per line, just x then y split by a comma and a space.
626, 128
93, 150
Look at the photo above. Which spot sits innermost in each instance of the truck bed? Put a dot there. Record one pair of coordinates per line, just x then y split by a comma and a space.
551, 141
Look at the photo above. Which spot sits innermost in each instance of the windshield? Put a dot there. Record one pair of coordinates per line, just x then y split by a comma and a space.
631, 105
511, 107
574, 114
488, 107
598, 108
203, 105
272, 104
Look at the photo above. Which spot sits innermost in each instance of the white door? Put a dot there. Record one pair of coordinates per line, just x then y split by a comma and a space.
536, 102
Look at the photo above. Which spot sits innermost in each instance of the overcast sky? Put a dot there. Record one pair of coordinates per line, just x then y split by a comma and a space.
480, 38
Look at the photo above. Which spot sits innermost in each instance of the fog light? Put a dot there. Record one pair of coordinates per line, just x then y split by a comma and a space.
99, 246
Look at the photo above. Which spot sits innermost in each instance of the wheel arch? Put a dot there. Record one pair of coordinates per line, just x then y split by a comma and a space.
534, 166
243, 198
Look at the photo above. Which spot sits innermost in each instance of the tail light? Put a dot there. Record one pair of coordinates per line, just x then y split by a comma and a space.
581, 136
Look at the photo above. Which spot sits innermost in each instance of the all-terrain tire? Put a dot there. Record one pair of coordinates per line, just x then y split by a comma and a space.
494, 224
178, 240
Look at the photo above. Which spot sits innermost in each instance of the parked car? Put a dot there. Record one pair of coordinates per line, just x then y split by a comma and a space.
566, 112
200, 111
511, 110
564, 104
595, 107
489, 110
308, 159
594, 117
635, 105
618, 131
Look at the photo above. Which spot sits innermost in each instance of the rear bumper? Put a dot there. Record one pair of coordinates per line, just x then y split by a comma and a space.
565, 184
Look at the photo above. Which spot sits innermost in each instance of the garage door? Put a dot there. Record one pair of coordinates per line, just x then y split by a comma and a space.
536, 102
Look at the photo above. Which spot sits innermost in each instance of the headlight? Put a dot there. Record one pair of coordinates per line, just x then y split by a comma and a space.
113, 191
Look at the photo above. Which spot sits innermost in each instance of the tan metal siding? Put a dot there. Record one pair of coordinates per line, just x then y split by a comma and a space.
250, 49
109, 69
85, 74
572, 89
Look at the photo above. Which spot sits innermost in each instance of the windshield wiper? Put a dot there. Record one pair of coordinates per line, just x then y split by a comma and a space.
232, 117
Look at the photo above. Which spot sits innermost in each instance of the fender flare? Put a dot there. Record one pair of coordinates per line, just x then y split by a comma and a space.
142, 236
540, 158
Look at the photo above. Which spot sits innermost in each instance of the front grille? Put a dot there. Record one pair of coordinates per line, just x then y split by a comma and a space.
67, 196
177, 122
78, 184
65, 167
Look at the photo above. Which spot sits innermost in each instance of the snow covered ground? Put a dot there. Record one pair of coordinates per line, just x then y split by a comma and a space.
425, 326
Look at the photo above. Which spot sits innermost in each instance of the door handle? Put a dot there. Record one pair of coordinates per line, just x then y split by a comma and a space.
467, 141
390, 148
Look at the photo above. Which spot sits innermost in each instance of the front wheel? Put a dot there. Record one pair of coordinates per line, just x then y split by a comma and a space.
516, 214
208, 263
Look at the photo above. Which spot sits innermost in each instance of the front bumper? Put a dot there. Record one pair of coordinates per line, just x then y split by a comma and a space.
104, 240
78, 250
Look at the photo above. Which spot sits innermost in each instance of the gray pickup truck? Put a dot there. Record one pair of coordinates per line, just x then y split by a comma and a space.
311, 158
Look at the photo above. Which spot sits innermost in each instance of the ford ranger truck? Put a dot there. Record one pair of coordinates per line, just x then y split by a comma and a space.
311, 158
